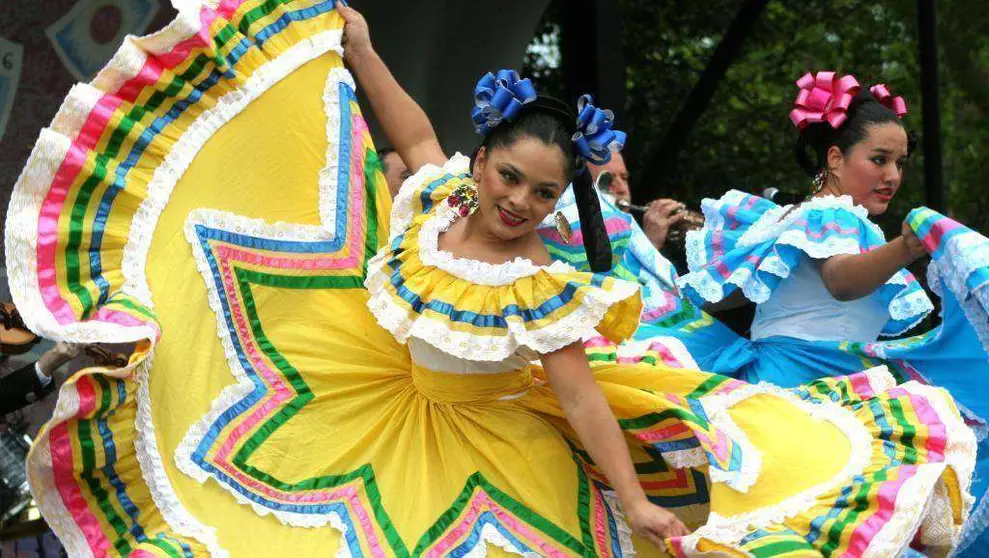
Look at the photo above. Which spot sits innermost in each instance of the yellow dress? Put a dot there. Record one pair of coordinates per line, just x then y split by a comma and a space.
276, 405
845, 465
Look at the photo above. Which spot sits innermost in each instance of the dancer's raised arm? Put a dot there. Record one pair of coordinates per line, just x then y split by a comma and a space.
402, 119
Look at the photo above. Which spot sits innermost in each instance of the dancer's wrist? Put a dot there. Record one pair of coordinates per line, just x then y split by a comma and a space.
359, 53
632, 498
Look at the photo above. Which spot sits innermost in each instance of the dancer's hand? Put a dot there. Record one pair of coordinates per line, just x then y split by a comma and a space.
913, 246
356, 36
654, 523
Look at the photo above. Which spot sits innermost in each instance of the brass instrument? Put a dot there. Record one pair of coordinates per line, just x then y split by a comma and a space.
692, 220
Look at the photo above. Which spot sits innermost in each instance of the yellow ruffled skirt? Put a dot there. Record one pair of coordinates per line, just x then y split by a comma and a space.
491, 458
267, 412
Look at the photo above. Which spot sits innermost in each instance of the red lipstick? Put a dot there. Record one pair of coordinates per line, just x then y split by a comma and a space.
510, 219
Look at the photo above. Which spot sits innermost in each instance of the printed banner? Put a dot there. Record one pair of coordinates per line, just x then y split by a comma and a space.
87, 36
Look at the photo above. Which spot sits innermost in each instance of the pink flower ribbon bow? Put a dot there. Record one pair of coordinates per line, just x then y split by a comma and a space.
895, 104
824, 98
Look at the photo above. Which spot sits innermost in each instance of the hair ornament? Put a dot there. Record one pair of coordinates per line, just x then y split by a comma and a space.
499, 97
595, 139
824, 97
895, 104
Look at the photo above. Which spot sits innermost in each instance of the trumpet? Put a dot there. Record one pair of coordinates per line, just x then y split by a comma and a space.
692, 220
630, 207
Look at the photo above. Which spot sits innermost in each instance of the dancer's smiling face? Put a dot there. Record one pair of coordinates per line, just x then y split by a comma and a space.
518, 184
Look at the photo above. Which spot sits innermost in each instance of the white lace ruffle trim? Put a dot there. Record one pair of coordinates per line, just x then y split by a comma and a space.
907, 305
964, 255
150, 460
403, 207
477, 272
920, 496
403, 322
21, 238
624, 531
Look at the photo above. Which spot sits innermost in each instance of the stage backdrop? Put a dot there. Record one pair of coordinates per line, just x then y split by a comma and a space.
45, 47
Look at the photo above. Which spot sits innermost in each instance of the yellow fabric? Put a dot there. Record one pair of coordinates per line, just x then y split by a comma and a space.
425, 434
298, 320
455, 389
793, 466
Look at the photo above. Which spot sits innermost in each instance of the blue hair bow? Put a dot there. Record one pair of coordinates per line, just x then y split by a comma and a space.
499, 97
595, 140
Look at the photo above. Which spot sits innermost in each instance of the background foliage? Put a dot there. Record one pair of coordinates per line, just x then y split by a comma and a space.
745, 139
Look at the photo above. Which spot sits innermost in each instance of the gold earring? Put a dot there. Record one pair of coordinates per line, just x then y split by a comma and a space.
818, 183
563, 227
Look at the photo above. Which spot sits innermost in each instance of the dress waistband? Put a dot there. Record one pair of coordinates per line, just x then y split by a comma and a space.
454, 389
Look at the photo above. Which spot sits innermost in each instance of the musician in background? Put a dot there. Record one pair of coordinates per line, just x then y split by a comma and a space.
665, 223
661, 217
619, 172
35, 381
37, 373
394, 169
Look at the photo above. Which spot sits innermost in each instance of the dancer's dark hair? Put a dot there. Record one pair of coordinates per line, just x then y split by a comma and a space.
552, 122
814, 141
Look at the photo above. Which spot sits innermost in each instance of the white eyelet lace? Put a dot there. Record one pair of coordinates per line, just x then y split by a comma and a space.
403, 207
914, 504
907, 305
402, 322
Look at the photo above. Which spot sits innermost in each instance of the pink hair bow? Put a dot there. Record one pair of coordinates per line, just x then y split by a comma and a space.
895, 104
824, 98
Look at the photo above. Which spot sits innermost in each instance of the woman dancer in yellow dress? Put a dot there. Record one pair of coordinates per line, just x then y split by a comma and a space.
467, 284
430, 400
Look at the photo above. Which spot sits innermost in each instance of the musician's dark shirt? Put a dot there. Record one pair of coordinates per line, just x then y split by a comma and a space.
21, 388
